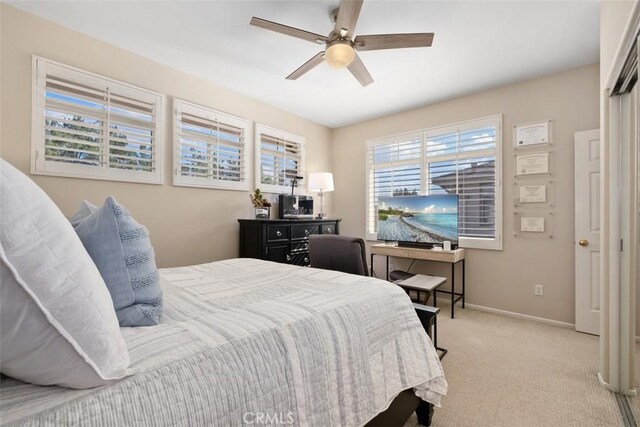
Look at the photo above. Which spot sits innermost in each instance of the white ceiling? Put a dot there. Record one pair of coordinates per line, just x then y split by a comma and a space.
477, 45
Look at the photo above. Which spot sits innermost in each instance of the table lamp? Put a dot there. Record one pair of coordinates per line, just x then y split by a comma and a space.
320, 182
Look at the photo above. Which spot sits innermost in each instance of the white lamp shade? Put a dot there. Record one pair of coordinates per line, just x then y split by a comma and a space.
320, 181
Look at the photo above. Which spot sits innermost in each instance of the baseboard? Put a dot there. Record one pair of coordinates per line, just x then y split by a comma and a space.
514, 314
603, 383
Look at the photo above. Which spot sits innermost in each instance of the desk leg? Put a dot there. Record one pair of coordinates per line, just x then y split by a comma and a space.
453, 288
435, 331
463, 279
371, 266
387, 268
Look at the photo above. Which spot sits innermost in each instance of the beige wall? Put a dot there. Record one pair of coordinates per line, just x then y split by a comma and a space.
498, 279
187, 225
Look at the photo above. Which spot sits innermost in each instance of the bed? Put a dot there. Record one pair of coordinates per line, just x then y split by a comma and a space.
244, 341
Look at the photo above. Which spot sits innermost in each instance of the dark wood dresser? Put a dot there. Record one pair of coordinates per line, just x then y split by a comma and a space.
282, 240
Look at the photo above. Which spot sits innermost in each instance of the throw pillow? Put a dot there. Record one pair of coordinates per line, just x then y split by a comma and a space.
57, 321
121, 249
85, 210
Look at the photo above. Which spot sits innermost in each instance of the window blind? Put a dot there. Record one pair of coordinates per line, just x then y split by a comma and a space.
210, 148
463, 163
462, 159
90, 126
280, 158
395, 170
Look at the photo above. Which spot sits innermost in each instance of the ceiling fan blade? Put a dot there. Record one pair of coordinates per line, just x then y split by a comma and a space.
393, 41
348, 13
287, 30
307, 66
360, 72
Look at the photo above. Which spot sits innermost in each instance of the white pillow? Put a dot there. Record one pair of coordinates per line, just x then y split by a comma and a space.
57, 321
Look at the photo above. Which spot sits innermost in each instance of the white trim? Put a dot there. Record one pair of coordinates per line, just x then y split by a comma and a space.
624, 48
39, 166
613, 238
631, 392
465, 125
607, 386
565, 325
603, 383
179, 180
261, 129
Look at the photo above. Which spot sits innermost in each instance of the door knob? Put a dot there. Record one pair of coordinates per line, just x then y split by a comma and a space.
583, 242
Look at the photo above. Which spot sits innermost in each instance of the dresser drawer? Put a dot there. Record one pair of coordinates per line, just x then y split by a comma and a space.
328, 228
304, 230
277, 232
300, 246
300, 258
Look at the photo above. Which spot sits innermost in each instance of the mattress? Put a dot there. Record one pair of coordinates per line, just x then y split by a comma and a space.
245, 340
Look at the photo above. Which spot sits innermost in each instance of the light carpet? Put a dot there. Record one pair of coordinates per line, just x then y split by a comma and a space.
505, 371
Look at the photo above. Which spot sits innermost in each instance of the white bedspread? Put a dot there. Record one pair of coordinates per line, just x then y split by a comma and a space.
245, 337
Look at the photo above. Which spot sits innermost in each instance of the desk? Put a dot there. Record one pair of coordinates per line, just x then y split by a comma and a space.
449, 257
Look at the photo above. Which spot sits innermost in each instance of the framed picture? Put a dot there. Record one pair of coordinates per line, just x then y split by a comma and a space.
532, 134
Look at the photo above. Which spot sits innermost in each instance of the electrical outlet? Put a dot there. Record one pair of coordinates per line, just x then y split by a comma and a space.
538, 290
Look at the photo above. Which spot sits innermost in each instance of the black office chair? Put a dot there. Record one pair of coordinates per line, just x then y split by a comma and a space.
339, 253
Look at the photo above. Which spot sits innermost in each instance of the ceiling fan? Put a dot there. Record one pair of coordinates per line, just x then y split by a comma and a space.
340, 50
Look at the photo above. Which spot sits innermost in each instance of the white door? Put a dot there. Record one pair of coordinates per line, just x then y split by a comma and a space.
587, 181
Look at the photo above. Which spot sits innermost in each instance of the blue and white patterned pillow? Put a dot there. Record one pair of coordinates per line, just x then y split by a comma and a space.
121, 249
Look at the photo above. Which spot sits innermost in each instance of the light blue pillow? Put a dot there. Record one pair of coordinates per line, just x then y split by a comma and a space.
85, 210
121, 249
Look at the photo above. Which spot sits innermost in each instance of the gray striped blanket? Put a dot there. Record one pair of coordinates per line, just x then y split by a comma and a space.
247, 342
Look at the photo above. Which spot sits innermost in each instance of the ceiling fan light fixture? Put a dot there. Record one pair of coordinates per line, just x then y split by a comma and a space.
339, 54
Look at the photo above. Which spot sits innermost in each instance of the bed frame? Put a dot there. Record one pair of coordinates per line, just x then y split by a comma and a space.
407, 402
401, 409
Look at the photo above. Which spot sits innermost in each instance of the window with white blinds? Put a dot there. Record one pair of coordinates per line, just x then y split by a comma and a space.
89, 126
395, 169
462, 159
210, 148
279, 159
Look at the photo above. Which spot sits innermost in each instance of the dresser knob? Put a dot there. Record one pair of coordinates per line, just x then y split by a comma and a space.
278, 233
329, 230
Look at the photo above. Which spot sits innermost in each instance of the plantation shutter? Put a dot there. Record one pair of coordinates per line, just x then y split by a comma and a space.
281, 158
463, 162
74, 122
210, 148
93, 127
394, 169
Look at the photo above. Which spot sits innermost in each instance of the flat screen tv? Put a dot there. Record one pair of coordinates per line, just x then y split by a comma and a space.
420, 221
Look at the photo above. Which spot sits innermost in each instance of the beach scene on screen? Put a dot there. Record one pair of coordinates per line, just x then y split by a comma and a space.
423, 219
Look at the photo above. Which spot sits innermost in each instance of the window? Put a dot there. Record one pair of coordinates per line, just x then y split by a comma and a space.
209, 148
279, 159
88, 126
462, 159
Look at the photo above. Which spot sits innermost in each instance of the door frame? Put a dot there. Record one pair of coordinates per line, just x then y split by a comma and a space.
619, 213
